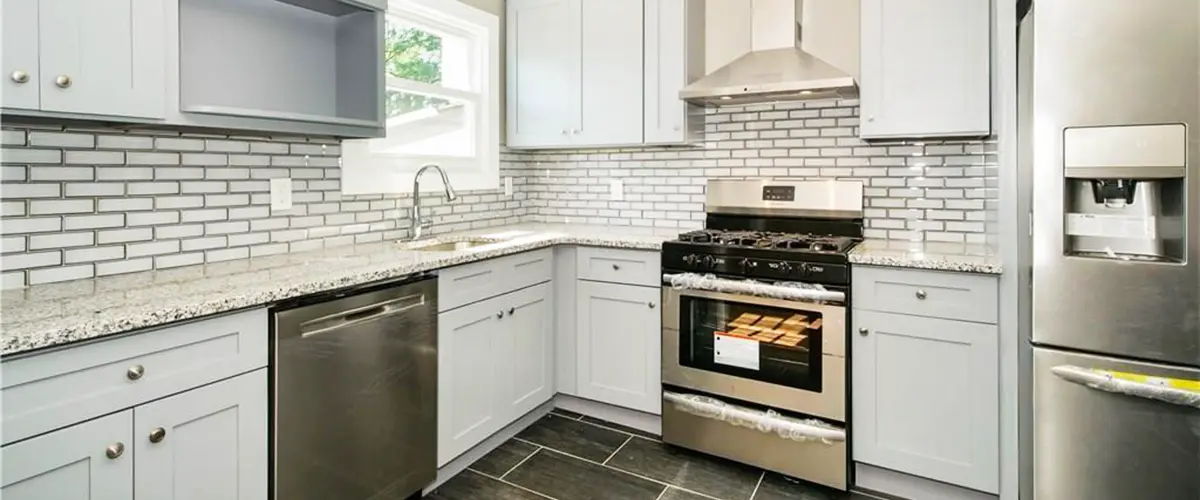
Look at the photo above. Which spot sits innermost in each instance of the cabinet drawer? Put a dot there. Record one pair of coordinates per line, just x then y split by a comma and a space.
465, 284
926, 293
630, 267
56, 389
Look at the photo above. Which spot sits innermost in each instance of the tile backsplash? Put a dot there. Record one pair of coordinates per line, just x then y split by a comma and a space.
85, 202
914, 190
80, 202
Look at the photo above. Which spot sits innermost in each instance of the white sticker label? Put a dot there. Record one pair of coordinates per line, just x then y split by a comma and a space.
735, 351
1111, 226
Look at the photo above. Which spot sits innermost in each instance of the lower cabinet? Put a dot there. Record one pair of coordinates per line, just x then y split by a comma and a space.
210, 442
619, 344
926, 397
495, 363
88, 461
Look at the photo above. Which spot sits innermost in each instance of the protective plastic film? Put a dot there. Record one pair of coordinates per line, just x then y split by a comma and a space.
1117, 383
782, 290
763, 421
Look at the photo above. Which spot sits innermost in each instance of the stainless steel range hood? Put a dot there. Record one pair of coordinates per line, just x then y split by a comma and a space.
777, 68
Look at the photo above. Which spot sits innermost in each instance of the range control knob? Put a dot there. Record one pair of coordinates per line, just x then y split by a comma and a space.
709, 261
784, 267
691, 259
803, 269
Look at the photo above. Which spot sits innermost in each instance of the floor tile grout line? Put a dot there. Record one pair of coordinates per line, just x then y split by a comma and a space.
514, 485
623, 471
602, 426
663, 492
523, 460
618, 450
758, 484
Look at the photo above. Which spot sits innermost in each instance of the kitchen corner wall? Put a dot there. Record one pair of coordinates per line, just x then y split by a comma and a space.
914, 190
84, 202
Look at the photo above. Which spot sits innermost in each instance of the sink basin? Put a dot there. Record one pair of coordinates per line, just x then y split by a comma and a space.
448, 246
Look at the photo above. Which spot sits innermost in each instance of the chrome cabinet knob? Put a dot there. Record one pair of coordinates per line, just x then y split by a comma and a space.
511, 310
650, 304
62, 81
675, 128
563, 131
870, 118
135, 372
921, 295
863, 331
157, 435
576, 131
114, 450
20, 76
500, 315
616, 267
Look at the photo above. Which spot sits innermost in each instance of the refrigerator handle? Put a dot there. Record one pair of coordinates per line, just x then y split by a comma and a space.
1167, 390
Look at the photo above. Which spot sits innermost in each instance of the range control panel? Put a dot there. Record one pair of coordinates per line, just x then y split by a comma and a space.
779, 193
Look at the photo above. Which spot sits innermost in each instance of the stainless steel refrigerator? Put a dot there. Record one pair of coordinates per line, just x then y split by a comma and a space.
1109, 91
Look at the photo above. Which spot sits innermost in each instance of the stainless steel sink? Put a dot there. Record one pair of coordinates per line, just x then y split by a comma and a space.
436, 245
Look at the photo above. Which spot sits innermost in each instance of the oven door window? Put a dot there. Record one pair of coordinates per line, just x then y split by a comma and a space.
763, 343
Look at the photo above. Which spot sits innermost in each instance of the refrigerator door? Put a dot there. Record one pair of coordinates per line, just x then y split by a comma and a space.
1100, 445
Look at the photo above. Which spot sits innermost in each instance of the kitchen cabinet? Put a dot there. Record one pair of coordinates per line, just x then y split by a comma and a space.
92, 460
494, 365
86, 57
543, 72
209, 442
674, 57
926, 397
619, 344
924, 75
611, 62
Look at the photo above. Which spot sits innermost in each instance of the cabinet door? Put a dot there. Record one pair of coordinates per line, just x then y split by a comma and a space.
19, 59
73, 463
470, 379
205, 443
926, 397
671, 62
543, 72
925, 75
619, 345
528, 353
103, 57
612, 86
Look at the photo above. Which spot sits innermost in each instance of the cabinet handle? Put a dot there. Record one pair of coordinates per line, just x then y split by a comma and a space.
135, 372
863, 331
921, 295
511, 310
575, 131
650, 304
870, 118
62, 81
675, 128
563, 131
20, 76
114, 450
616, 267
500, 315
157, 435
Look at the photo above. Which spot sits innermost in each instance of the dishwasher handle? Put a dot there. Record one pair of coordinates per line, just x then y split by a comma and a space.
326, 324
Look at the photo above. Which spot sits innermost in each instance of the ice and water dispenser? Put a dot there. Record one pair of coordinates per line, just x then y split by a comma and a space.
1126, 192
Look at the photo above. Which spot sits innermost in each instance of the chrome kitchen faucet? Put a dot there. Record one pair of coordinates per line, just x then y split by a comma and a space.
417, 223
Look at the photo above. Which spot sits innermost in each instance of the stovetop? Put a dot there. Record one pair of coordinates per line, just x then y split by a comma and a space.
771, 240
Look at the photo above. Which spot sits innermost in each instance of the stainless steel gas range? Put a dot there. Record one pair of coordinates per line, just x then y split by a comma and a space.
754, 326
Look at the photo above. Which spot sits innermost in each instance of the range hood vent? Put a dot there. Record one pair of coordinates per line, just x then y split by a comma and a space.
776, 69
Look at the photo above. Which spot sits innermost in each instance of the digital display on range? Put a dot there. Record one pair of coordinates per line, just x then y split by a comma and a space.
779, 193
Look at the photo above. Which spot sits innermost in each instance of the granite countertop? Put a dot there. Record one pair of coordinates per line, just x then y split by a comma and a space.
49, 315
938, 256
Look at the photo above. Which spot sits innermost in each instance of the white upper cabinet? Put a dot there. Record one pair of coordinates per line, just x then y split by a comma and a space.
674, 58
925, 68
585, 73
611, 87
102, 57
19, 60
543, 72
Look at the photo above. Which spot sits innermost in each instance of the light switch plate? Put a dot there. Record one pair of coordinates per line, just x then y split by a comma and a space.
616, 190
281, 194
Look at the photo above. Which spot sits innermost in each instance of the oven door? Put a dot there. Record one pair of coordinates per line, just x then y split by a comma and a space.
784, 354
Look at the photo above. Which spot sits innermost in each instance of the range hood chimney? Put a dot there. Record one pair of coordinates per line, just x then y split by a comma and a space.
776, 68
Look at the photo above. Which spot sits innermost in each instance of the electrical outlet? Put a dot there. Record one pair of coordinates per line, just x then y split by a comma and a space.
616, 190
281, 194
508, 191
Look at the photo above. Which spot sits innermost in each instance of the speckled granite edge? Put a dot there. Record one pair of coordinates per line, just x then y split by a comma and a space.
929, 256
255, 288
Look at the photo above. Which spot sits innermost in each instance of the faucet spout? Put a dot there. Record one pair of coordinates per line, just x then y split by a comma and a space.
418, 223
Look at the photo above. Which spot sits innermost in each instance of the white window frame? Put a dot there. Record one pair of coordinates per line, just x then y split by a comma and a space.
368, 172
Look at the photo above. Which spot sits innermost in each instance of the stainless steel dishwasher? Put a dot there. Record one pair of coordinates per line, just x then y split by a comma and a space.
355, 387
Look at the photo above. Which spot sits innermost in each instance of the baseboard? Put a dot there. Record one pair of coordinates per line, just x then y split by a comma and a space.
492, 442
899, 484
630, 418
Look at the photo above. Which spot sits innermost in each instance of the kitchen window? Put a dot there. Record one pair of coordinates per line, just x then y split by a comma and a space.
442, 73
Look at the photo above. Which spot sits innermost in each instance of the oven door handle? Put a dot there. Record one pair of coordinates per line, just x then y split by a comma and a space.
692, 281
1123, 383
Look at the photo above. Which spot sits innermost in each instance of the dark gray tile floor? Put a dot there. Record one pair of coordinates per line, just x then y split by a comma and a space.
567, 456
